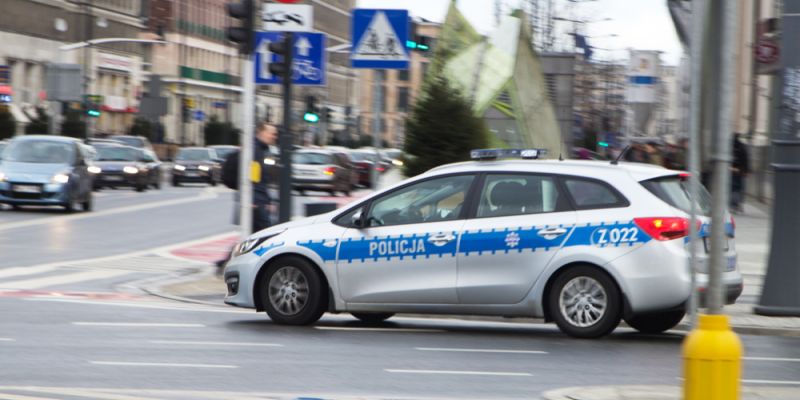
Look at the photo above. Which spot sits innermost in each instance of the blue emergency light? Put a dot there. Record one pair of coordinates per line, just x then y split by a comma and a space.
494, 154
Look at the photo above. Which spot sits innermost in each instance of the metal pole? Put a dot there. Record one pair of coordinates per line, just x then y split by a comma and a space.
286, 136
751, 126
779, 295
721, 158
699, 12
87, 56
246, 155
376, 125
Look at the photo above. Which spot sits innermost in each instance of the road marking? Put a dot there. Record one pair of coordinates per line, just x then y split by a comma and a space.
365, 329
156, 306
140, 324
168, 365
444, 372
62, 279
17, 271
9, 396
771, 359
5, 339
205, 195
91, 394
767, 382
190, 343
481, 350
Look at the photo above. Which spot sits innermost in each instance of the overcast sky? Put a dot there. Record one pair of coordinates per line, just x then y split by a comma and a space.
638, 24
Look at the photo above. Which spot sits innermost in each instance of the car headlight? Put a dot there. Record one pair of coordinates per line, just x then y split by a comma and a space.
250, 244
130, 170
398, 163
180, 167
94, 169
3, 177
203, 168
60, 178
269, 161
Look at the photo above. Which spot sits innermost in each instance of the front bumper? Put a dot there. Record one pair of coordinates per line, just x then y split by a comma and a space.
194, 175
120, 179
245, 269
50, 194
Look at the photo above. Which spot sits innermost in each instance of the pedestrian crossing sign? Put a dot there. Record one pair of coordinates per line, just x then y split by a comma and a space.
379, 38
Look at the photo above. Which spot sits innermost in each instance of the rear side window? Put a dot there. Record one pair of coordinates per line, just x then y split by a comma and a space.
590, 193
675, 191
505, 195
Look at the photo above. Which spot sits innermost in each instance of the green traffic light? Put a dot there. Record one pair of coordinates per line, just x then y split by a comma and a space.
311, 117
603, 144
93, 113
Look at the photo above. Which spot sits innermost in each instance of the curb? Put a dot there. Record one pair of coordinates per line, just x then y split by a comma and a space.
196, 275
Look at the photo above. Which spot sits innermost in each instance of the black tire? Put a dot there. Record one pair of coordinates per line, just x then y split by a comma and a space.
69, 206
606, 319
656, 322
141, 188
289, 307
212, 181
175, 182
372, 318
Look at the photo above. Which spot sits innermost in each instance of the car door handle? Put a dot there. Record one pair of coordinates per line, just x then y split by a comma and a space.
441, 239
552, 233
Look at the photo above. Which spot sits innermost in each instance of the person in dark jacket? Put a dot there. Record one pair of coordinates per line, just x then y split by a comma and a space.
739, 170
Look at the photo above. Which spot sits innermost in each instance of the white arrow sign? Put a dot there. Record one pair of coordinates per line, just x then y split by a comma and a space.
303, 46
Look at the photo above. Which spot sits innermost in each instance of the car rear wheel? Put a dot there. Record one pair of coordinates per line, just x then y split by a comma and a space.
373, 318
585, 302
292, 292
656, 322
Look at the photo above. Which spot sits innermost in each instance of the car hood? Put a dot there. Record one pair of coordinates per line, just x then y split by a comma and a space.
31, 172
115, 165
272, 230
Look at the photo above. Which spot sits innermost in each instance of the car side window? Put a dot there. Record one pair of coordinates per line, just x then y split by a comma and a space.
589, 194
433, 200
519, 194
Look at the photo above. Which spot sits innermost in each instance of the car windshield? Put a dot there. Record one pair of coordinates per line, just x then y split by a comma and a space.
193, 155
224, 152
312, 158
40, 151
117, 154
675, 191
361, 156
130, 141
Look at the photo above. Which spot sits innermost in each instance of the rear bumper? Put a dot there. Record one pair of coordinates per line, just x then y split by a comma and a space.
313, 184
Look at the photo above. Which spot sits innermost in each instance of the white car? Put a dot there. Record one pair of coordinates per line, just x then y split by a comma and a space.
581, 243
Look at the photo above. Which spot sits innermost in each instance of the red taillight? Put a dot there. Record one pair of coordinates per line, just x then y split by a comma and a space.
380, 169
684, 176
329, 171
664, 228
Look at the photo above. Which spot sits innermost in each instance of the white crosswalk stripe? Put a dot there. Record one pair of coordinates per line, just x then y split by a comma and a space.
61, 279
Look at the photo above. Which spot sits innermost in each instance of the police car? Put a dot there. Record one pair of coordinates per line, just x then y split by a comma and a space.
582, 243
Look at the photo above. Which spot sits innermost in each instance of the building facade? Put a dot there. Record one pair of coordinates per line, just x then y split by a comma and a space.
33, 32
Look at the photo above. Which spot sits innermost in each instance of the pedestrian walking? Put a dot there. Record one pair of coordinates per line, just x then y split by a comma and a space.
265, 138
739, 170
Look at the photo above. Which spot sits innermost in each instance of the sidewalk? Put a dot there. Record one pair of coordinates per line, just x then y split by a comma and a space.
656, 392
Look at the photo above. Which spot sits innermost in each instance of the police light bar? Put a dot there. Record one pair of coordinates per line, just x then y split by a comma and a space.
493, 154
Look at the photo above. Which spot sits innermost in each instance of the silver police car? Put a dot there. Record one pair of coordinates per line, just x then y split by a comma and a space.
582, 243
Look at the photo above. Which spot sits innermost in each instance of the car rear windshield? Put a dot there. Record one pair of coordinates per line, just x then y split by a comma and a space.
674, 190
312, 158
130, 141
40, 151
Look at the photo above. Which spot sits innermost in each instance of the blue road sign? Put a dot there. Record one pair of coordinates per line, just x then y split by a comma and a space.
379, 39
199, 115
309, 58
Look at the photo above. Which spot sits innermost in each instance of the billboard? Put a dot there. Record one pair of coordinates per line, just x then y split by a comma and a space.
643, 73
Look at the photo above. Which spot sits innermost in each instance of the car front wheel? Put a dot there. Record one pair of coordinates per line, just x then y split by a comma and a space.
293, 292
585, 302
656, 322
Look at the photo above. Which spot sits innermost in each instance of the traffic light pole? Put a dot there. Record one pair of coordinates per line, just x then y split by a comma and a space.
286, 137
246, 155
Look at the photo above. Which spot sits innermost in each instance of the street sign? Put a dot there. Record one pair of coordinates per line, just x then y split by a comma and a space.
288, 17
767, 51
308, 64
379, 39
199, 115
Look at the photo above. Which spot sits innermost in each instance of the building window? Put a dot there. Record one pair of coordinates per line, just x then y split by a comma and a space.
402, 75
402, 99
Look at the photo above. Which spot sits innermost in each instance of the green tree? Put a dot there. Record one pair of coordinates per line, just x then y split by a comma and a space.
38, 126
218, 132
7, 124
142, 127
73, 126
441, 129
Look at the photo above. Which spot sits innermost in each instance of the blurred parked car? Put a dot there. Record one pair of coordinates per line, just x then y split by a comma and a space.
395, 156
223, 150
154, 167
139, 142
120, 166
196, 164
364, 160
316, 169
46, 170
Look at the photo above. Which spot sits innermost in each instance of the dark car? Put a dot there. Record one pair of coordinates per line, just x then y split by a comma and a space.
46, 170
154, 167
321, 170
364, 159
196, 164
120, 166
223, 150
140, 142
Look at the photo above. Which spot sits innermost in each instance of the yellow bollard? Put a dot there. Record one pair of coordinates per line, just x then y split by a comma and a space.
712, 360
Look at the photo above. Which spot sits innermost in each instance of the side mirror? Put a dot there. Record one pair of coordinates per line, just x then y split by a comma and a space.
358, 220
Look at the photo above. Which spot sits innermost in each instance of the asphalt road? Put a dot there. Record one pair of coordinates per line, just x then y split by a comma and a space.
76, 330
